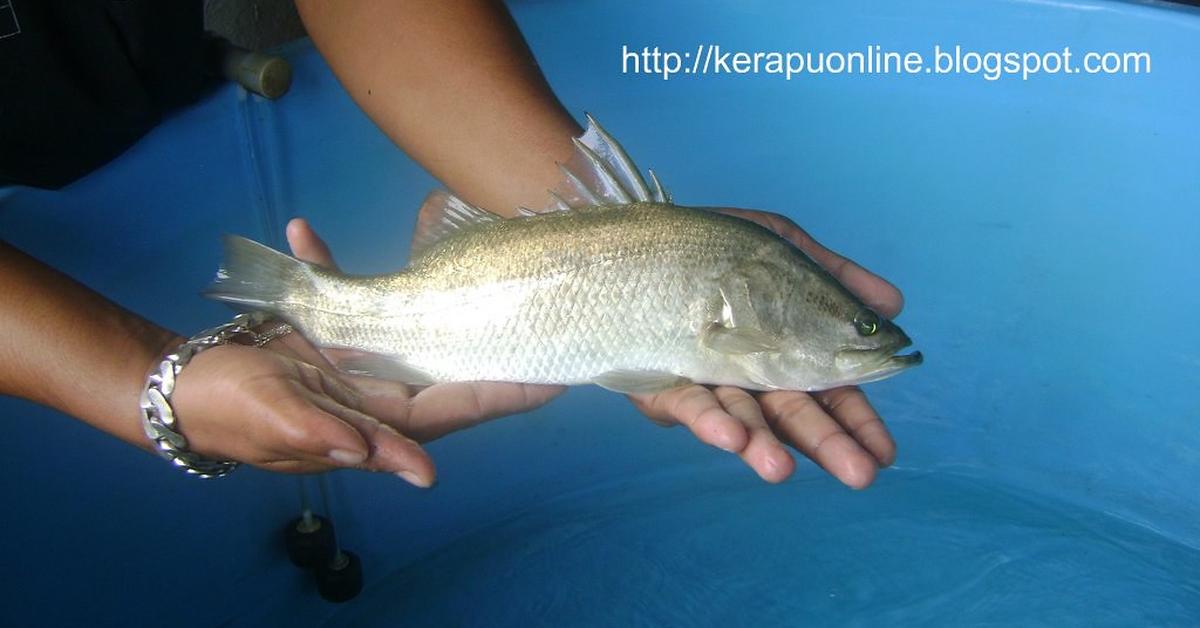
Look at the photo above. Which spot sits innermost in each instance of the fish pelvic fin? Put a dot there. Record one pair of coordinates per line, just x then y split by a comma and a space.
254, 276
632, 382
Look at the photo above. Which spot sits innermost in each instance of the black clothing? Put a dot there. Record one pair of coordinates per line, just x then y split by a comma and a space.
82, 80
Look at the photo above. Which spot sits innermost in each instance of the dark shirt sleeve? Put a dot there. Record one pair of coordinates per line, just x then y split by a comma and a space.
82, 80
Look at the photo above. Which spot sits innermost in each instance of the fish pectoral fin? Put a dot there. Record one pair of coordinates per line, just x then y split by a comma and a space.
381, 366
737, 340
738, 330
632, 382
737, 304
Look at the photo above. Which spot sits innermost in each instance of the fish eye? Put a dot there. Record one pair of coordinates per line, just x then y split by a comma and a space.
866, 322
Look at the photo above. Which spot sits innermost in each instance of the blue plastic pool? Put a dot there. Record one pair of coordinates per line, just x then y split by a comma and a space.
1046, 233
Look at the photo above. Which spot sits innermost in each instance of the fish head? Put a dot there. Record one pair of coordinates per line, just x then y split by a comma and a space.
869, 349
836, 340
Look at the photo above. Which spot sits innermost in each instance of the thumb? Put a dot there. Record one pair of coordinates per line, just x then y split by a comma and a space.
306, 245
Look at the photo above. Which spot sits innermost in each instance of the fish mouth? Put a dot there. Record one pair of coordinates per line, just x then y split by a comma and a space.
906, 360
878, 362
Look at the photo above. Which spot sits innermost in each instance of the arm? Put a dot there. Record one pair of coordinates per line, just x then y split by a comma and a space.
64, 346
284, 409
57, 346
455, 86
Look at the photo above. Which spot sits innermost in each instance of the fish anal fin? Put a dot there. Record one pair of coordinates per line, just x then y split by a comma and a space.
378, 365
634, 382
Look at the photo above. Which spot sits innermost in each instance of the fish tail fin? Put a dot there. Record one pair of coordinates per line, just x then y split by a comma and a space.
253, 276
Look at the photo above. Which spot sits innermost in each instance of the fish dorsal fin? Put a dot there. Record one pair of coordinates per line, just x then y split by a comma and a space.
443, 214
601, 173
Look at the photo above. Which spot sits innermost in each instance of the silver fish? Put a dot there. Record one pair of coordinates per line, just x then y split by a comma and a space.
614, 286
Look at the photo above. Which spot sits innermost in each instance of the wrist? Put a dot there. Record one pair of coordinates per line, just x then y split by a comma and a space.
148, 345
102, 383
159, 419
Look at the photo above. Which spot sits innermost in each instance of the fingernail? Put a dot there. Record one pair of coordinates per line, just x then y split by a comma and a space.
413, 478
346, 457
771, 464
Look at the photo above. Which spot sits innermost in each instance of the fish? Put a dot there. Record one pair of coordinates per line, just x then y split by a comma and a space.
612, 285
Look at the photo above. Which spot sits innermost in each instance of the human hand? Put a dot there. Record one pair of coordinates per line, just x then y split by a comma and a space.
838, 429
288, 409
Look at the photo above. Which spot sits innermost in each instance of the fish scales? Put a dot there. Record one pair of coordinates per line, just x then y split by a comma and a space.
635, 295
511, 302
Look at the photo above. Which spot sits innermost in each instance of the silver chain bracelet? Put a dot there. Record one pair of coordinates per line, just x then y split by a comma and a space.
158, 417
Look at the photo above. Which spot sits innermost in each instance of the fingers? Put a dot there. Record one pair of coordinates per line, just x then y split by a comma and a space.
800, 420
266, 409
291, 426
875, 291
878, 293
725, 417
697, 408
444, 408
763, 452
850, 408
307, 245
840, 432
388, 450
311, 425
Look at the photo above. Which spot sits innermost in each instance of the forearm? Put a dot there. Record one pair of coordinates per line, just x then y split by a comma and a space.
455, 86
67, 347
